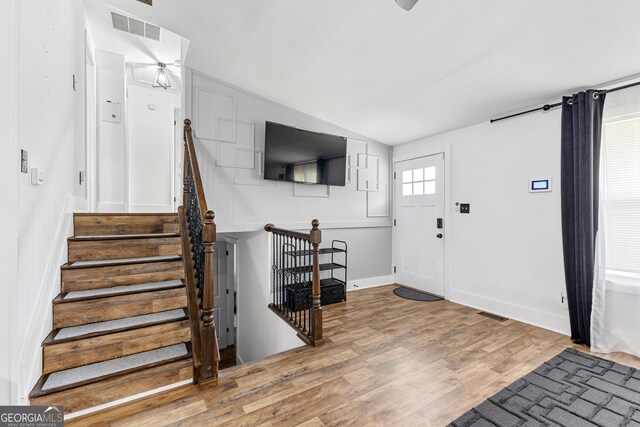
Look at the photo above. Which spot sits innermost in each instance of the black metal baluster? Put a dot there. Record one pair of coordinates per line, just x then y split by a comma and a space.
281, 273
300, 279
304, 307
273, 269
309, 281
278, 269
284, 276
290, 281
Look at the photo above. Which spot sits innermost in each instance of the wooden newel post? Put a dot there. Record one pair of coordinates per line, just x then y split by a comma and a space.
316, 238
209, 342
186, 164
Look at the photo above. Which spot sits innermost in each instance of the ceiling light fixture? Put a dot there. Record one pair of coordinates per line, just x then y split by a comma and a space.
406, 4
162, 77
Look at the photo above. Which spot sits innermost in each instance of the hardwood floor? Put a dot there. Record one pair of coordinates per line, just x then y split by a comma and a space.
386, 361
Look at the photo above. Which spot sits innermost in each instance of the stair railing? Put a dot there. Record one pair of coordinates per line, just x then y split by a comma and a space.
295, 285
199, 244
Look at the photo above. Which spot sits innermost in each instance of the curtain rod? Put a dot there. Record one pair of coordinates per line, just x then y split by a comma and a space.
548, 107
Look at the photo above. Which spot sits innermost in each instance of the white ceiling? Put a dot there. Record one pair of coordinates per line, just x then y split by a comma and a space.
395, 76
141, 54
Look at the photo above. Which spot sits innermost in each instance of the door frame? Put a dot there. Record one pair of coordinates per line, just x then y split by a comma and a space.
417, 153
177, 159
90, 124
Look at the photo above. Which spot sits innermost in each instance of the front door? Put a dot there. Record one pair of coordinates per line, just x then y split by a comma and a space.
419, 216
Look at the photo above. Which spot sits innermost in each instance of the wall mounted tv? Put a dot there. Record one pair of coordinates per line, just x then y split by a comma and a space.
303, 156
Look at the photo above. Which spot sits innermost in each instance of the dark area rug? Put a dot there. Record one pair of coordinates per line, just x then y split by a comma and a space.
572, 389
407, 293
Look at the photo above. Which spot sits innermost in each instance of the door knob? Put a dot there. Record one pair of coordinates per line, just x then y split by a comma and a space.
439, 235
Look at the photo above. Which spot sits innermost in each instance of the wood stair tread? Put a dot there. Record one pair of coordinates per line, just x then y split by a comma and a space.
121, 261
86, 374
121, 237
90, 330
116, 291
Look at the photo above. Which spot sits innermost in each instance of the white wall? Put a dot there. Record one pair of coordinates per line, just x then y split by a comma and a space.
506, 255
50, 114
9, 167
151, 144
111, 144
261, 332
243, 201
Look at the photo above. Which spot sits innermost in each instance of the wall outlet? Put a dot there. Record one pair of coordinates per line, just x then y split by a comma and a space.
465, 208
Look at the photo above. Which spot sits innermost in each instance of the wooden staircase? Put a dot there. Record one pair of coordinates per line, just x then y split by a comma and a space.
121, 324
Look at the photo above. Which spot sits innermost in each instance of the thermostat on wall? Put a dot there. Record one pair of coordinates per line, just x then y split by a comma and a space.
540, 185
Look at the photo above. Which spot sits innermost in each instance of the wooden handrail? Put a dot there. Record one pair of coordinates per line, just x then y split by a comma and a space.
273, 229
199, 238
291, 280
190, 150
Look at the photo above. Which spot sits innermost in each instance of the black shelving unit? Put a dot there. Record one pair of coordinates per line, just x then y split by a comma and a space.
333, 289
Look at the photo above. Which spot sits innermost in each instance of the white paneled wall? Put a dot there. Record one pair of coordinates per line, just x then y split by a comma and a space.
229, 125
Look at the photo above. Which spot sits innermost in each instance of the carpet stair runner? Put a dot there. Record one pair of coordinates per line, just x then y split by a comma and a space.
120, 322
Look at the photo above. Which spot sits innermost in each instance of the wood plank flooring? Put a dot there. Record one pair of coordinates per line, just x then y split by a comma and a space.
386, 361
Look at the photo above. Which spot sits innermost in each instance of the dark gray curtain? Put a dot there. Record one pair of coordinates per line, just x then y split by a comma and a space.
581, 136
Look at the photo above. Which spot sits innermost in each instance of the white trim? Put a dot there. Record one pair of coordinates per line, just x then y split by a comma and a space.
276, 103
327, 225
127, 399
106, 207
306, 190
30, 359
141, 207
448, 214
369, 282
550, 321
9, 154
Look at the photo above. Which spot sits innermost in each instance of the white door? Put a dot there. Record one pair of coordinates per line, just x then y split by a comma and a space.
221, 294
178, 158
419, 219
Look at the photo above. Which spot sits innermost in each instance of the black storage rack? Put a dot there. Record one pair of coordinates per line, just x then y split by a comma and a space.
332, 289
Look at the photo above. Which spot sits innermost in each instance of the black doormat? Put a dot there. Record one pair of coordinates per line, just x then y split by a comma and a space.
572, 389
407, 293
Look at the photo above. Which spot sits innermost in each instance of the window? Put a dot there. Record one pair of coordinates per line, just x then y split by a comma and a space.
620, 178
418, 182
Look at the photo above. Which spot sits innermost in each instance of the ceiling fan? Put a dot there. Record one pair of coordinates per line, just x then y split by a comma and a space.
406, 4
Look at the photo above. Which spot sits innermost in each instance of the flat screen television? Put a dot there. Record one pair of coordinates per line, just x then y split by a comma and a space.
297, 155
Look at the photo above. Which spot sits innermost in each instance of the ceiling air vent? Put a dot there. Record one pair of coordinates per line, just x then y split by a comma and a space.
135, 26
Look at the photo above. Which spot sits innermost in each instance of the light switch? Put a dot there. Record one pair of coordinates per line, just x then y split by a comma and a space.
24, 161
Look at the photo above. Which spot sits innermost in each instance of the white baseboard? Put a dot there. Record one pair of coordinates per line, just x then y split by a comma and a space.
109, 207
81, 204
369, 282
550, 321
30, 358
150, 208
127, 399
